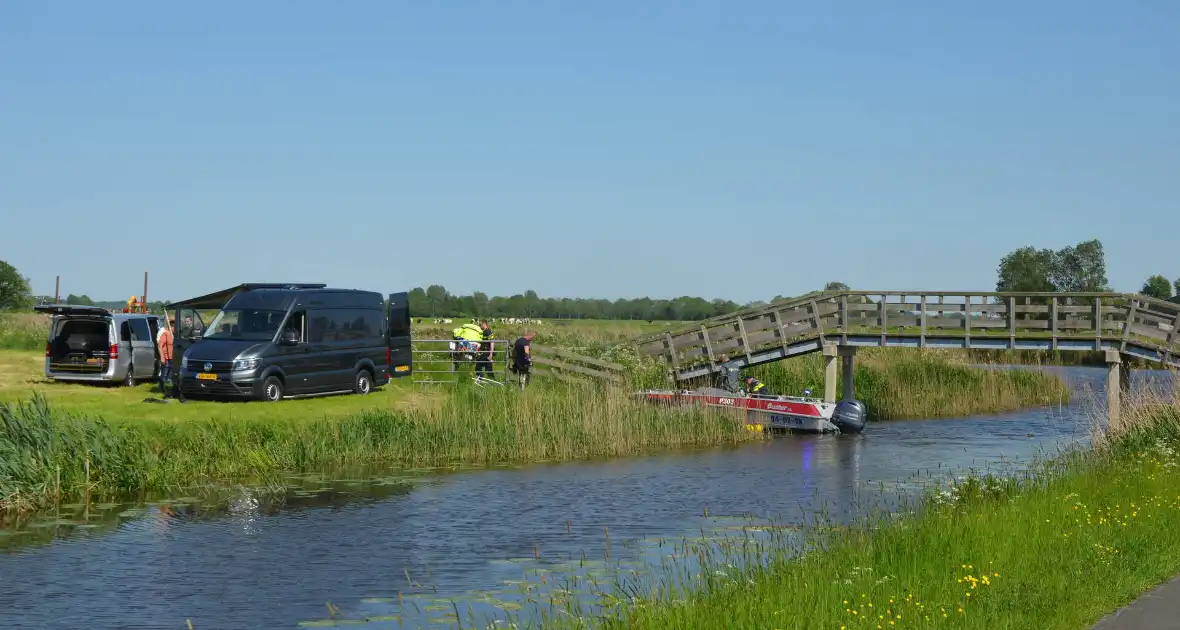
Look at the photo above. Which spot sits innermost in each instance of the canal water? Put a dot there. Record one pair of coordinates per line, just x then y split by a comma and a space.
423, 549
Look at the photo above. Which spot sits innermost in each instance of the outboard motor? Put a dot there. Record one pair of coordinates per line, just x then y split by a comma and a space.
850, 416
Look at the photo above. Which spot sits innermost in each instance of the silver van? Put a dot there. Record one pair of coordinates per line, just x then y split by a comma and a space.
92, 344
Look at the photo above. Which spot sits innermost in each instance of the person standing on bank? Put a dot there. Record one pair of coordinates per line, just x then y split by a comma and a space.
522, 360
164, 343
483, 360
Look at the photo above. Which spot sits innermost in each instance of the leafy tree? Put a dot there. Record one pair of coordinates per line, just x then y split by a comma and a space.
1027, 269
419, 303
15, 292
1176, 286
1080, 268
479, 302
1077, 268
836, 287
82, 300
1157, 287
436, 295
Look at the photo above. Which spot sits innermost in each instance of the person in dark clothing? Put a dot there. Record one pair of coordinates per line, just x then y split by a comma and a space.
755, 387
522, 361
483, 360
727, 375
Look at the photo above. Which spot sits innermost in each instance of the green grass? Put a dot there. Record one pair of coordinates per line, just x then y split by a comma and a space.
23, 331
1059, 548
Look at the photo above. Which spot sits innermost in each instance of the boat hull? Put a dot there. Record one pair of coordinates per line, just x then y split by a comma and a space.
780, 413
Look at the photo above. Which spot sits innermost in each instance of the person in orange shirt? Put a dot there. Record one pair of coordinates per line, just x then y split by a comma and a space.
164, 342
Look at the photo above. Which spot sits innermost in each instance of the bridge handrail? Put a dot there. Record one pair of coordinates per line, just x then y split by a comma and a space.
1098, 316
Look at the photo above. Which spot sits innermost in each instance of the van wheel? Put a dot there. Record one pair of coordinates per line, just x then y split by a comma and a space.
364, 382
129, 380
272, 389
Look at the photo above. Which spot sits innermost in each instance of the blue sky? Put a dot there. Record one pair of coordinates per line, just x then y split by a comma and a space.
614, 149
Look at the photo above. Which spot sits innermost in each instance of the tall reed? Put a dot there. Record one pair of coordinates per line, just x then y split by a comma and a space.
901, 383
23, 331
46, 452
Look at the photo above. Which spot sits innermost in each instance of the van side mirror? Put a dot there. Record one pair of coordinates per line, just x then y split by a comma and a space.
289, 338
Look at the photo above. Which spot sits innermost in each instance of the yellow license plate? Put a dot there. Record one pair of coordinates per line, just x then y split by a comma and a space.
205, 376
92, 361
402, 368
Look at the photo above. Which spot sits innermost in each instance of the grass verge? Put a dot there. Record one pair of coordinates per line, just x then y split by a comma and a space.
1058, 548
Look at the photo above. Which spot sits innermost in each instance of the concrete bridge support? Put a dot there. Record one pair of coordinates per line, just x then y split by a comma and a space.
1118, 384
847, 355
848, 361
830, 353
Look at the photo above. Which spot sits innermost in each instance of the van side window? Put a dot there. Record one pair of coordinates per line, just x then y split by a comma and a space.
297, 323
345, 324
190, 323
321, 328
140, 330
125, 331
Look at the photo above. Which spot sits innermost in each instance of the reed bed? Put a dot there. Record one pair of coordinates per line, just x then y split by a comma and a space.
906, 383
1058, 547
23, 331
48, 453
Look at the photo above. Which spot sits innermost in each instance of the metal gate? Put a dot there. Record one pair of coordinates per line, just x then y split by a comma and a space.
440, 362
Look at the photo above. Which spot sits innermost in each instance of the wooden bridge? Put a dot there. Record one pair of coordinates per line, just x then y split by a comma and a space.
836, 323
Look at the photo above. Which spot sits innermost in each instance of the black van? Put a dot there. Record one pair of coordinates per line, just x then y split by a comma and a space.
272, 342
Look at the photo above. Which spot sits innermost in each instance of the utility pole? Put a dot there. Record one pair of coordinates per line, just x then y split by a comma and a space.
57, 290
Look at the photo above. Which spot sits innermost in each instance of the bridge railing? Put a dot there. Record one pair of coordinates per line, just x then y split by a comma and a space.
919, 315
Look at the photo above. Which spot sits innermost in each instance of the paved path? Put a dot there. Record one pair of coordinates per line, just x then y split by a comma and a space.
1158, 609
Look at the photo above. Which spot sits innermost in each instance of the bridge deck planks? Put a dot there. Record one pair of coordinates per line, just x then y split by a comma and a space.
1134, 324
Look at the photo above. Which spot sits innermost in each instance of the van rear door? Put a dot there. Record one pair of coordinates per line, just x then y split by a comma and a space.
401, 361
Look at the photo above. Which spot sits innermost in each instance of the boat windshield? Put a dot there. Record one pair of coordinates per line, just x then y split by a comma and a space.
245, 324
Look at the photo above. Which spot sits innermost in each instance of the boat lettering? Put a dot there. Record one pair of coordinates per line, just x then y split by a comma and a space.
778, 407
726, 401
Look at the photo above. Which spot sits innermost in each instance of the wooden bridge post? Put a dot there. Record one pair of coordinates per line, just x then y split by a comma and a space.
1118, 383
831, 351
848, 369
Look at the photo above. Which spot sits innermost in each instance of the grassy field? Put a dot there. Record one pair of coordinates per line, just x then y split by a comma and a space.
1058, 548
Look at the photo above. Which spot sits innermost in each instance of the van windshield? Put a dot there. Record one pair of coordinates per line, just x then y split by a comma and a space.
248, 324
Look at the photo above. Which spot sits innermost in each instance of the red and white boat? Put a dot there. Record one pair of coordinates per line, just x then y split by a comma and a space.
787, 413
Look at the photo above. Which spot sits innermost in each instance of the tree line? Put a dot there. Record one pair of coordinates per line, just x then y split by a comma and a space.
435, 300
1076, 268
1080, 267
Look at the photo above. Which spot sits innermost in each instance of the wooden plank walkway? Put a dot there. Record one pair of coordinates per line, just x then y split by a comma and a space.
1134, 325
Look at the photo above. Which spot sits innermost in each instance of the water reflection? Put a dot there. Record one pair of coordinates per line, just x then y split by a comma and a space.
423, 548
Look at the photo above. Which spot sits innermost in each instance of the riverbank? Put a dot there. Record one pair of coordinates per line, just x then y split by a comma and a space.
48, 453
61, 440
1060, 548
